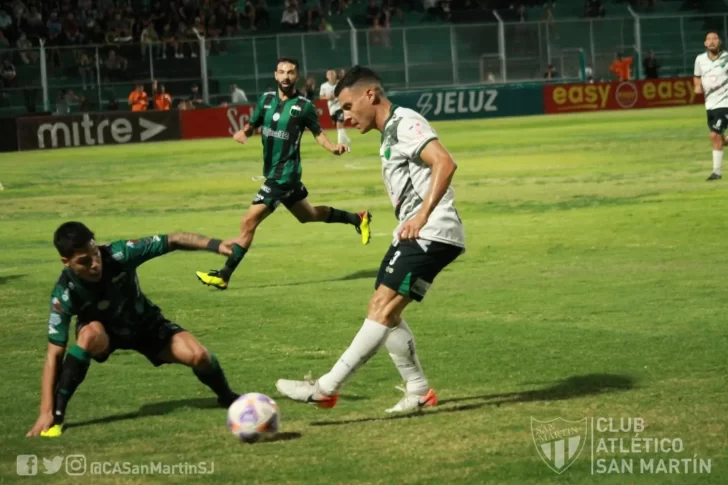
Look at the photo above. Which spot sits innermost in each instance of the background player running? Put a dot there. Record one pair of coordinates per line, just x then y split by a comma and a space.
99, 285
417, 171
284, 116
711, 78
337, 114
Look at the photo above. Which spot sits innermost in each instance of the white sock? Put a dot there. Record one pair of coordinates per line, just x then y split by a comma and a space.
365, 344
717, 161
341, 135
401, 346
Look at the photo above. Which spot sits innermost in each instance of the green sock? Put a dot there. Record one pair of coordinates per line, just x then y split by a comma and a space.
214, 378
233, 261
72, 375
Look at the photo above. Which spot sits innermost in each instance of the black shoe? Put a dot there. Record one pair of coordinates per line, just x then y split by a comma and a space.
713, 176
227, 401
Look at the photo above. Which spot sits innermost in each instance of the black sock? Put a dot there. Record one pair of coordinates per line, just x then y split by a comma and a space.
233, 261
72, 375
343, 217
214, 378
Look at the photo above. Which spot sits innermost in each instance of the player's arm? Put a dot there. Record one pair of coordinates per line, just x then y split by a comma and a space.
242, 135
420, 142
697, 78
310, 119
138, 252
59, 324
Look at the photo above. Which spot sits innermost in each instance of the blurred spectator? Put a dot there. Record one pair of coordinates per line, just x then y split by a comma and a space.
215, 29
594, 8
115, 66
232, 22
170, 40
262, 17
138, 99
162, 100
340, 74
6, 21
551, 73
19, 9
64, 101
651, 66
34, 22
54, 24
195, 98
237, 95
86, 71
4, 44
309, 87
71, 30
325, 26
249, 13
621, 67
289, 19
150, 41
28, 55
8, 74
97, 35
372, 12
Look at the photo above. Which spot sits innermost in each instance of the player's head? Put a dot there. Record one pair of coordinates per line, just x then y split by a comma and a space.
75, 243
331, 76
712, 42
359, 93
286, 74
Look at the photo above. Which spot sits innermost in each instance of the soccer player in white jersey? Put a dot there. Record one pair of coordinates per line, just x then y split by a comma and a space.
417, 172
711, 78
335, 111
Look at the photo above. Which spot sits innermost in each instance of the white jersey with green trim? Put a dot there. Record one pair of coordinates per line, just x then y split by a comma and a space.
407, 178
713, 74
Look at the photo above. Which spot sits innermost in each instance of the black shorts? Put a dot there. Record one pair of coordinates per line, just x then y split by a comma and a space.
154, 338
272, 193
337, 116
718, 120
409, 269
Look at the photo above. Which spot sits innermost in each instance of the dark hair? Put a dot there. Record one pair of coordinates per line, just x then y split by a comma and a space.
712, 32
356, 75
71, 237
289, 60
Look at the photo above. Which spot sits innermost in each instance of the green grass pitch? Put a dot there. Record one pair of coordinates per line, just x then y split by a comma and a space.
594, 285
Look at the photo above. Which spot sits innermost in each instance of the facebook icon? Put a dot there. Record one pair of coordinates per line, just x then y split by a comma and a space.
27, 465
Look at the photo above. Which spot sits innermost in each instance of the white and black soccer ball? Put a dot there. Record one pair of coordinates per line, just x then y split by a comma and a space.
252, 416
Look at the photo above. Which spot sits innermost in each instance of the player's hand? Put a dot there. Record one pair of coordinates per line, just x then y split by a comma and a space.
45, 421
226, 247
240, 137
411, 229
340, 149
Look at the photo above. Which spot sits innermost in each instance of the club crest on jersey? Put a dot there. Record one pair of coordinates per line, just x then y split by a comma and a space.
276, 116
295, 110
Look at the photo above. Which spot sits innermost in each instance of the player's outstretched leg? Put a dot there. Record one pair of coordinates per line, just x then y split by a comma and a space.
185, 349
92, 340
385, 308
717, 142
251, 220
305, 212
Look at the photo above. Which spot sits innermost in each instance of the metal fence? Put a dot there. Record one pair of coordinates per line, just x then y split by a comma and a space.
93, 77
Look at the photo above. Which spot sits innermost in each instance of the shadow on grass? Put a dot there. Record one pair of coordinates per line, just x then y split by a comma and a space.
5, 279
153, 409
359, 275
569, 388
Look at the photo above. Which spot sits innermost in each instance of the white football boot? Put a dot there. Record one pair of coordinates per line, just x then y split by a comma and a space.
413, 402
306, 391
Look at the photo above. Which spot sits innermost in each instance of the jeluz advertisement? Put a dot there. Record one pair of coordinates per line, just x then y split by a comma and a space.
649, 93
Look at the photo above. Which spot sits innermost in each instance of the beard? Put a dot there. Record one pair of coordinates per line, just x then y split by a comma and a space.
287, 90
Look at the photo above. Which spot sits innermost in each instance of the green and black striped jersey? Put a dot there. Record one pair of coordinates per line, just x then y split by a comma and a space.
282, 124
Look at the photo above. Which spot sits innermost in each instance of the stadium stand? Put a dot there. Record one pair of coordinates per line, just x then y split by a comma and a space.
123, 34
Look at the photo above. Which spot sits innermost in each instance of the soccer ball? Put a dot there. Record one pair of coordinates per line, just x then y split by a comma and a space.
253, 415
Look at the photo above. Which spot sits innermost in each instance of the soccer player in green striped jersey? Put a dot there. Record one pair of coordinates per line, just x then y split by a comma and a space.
283, 116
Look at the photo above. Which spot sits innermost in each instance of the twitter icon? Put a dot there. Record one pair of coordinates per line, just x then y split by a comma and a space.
52, 466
